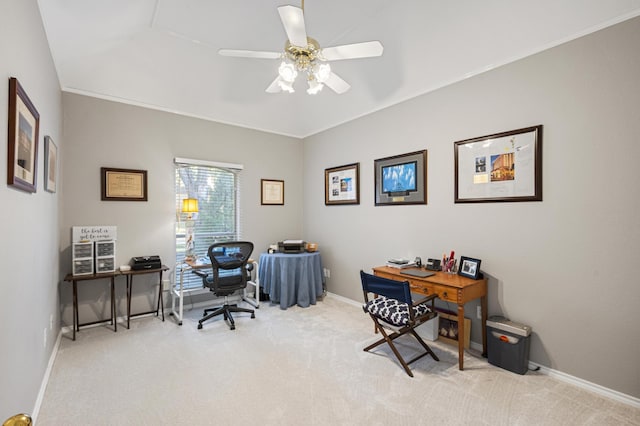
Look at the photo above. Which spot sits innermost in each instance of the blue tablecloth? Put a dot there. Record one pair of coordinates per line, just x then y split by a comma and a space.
291, 279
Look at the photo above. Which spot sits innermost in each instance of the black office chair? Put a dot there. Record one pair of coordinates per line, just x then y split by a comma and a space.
230, 274
390, 310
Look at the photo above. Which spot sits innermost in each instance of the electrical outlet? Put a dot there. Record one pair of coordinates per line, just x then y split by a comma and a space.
327, 273
44, 343
166, 285
479, 312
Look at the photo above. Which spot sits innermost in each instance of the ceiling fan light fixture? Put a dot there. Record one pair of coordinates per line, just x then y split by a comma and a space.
286, 86
322, 72
287, 72
314, 86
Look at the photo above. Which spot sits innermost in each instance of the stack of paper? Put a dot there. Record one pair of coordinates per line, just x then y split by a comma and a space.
400, 263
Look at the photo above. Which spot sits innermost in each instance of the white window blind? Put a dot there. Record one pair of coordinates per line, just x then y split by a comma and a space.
216, 186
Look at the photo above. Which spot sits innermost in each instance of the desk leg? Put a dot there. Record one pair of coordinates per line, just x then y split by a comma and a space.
129, 286
160, 302
483, 304
114, 317
75, 308
461, 337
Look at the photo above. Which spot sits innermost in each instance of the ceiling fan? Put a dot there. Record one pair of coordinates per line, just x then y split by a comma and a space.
303, 54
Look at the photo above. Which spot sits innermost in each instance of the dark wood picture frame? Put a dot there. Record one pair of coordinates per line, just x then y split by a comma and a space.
392, 187
501, 167
342, 185
469, 267
271, 192
123, 184
24, 126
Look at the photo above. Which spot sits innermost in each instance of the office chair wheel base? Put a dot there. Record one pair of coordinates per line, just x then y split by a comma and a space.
199, 326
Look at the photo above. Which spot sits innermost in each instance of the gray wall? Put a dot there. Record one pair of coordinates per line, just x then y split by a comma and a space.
565, 266
30, 250
101, 133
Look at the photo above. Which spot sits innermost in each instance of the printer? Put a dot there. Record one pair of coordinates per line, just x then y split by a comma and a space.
291, 246
139, 263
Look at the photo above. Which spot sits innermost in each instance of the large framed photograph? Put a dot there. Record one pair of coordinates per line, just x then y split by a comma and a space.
24, 125
123, 184
469, 267
50, 164
342, 185
271, 192
401, 179
500, 167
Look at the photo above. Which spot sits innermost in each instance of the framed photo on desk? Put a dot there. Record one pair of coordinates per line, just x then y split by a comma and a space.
469, 267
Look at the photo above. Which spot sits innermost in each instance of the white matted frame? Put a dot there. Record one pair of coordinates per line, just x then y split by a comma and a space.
50, 164
342, 185
271, 192
500, 167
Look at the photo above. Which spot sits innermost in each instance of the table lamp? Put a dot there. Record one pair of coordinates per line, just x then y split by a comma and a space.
189, 206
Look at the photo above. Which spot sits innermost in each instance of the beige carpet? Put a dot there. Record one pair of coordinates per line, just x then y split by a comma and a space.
301, 366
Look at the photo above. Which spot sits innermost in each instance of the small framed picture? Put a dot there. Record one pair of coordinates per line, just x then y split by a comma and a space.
342, 185
50, 164
271, 192
469, 267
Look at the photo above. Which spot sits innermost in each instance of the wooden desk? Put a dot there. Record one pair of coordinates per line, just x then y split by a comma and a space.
451, 288
74, 280
129, 276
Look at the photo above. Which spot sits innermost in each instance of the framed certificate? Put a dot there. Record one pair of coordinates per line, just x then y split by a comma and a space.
123, 184
271, 192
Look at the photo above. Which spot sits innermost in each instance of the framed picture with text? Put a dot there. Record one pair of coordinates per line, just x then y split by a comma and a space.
123, 184
342, 185
500, 167
271, 192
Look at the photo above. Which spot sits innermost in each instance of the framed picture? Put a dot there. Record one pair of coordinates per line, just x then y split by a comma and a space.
24, 125
401, 179
123, 184
271, 192
469, 267
448, 329
342, 185
501, 167
50, 164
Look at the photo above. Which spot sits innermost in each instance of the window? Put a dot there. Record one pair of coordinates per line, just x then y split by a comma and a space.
216, 186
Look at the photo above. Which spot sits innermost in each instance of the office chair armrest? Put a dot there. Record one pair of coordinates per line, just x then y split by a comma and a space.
425, 299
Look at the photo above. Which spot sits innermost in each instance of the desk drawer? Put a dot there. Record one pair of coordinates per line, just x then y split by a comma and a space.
444, 293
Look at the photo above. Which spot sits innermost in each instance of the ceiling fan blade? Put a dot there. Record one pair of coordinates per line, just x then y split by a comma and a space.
293, 21
249, 54
274, 87
337, 84
352, 51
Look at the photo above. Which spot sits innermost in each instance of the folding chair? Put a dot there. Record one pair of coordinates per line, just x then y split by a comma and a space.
390, 310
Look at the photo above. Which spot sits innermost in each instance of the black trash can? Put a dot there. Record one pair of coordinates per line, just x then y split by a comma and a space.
508, 344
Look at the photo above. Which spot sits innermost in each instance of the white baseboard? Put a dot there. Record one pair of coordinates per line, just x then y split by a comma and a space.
564, 377
45, 379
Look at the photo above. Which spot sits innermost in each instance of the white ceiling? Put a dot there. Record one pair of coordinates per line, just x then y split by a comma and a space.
163, 53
